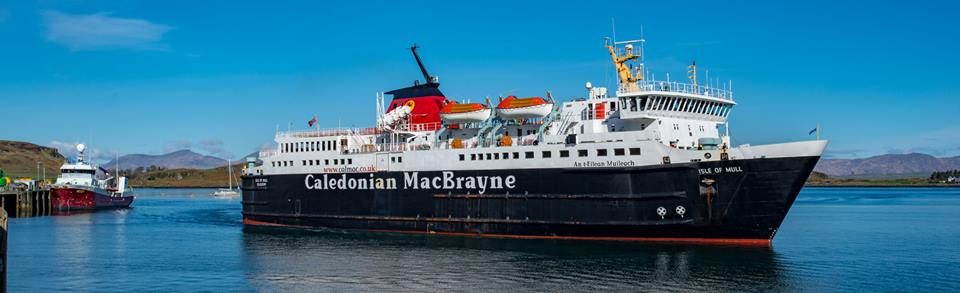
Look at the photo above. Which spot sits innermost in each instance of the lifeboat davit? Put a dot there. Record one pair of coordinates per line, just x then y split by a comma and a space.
463, 113
523, 108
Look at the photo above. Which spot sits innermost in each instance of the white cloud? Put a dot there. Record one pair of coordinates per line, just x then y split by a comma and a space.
69, 150
101, 31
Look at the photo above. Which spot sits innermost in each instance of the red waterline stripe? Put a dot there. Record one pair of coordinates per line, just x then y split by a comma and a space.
715, 241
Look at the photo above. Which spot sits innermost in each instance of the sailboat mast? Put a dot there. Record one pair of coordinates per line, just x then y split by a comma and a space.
229, 174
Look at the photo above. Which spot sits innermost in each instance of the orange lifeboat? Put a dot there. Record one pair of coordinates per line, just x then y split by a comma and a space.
524, 108
462, 113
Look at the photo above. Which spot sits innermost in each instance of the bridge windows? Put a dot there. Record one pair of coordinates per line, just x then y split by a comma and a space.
462, 157
547, 154
564, 153
581, 153
634, 151
601, 152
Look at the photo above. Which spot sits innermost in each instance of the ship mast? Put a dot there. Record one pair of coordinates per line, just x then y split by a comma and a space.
423, 69
628, 80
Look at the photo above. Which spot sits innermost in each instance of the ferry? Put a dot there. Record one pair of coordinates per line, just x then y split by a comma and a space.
653, 162
78, 189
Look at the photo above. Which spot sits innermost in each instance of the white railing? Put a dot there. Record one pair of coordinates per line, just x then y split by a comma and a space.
327, 132
267, 153
679, 87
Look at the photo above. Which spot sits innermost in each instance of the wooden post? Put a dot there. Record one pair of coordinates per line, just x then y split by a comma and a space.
3, 251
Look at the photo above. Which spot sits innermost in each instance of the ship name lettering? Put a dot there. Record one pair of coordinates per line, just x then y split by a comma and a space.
719, 170
327, 182
449, 180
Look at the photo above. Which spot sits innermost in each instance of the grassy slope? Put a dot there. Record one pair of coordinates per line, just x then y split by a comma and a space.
19, 159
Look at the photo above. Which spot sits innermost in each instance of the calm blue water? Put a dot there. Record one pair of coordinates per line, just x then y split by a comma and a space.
835, 239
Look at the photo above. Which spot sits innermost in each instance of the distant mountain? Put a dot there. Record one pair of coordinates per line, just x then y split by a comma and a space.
19, 159
183, 159
887, 166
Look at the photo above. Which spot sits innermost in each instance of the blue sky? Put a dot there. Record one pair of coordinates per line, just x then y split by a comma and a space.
219, 76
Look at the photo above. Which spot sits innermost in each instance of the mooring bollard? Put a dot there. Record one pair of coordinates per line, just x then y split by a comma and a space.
3, 251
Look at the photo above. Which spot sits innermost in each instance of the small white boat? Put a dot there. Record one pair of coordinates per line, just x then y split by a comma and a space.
229, 191
464, 113
524, 108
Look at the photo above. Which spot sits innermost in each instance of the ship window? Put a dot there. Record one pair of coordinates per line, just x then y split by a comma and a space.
547, 154
489, 156
617, 152
506, 156
273, 164
326, 162
462, 157
528, 155
350, 161
392, 160
496, 156
473, 157
581, 153
564, 153
602, 152
634, 151
516, 155
399, 159
480, 157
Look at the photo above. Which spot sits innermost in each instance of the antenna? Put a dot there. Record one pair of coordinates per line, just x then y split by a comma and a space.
423, 69
613, 25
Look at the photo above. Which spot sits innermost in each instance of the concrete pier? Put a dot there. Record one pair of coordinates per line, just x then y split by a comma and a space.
26, 203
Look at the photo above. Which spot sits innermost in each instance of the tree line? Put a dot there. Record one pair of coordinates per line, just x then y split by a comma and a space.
945, 175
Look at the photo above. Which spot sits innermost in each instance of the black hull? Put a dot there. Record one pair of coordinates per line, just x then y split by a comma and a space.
735, 200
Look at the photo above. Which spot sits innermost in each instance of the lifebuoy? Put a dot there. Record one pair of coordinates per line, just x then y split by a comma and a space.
410, 104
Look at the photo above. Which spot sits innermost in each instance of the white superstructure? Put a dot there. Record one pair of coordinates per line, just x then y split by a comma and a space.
648, 122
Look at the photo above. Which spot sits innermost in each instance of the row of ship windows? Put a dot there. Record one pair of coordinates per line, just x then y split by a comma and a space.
313, 162
308, 146
660, 103
547, 154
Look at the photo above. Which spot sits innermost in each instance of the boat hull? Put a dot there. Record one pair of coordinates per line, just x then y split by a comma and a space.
65, 199
465, 117
719, 201
534, 111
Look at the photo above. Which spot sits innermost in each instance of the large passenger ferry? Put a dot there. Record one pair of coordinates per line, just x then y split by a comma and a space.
652, 162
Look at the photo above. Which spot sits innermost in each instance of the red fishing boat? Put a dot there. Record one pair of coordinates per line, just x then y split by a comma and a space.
78, 188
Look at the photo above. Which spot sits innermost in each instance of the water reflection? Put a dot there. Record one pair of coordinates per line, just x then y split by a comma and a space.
296, 260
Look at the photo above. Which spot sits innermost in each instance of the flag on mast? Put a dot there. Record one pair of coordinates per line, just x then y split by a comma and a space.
312, 121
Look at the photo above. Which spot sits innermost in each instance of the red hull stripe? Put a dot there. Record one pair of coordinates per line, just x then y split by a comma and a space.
713, 241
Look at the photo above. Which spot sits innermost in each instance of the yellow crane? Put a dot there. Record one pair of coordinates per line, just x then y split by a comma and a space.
627, 78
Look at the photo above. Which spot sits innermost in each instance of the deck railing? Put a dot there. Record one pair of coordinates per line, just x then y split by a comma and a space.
680, 87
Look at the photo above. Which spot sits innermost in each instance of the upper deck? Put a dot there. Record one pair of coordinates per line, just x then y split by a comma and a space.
676, 88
